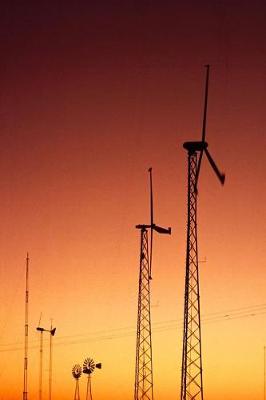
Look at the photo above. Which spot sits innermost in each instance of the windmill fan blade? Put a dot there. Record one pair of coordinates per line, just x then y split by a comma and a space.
220, 175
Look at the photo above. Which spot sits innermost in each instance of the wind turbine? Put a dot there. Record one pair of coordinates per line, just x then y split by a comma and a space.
191, 380
144, 367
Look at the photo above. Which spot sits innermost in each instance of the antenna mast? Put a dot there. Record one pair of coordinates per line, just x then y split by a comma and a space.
25, 390
144, 368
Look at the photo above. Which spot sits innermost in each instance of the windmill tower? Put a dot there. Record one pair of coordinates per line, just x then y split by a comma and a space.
76, 373
88, 368
191, 380
144, 369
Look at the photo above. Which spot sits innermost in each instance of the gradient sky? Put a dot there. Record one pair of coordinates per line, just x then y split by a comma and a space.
91, 96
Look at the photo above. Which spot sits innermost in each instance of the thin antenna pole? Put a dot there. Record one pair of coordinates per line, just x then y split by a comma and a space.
25, 390
264, 357
41, 357
50, 362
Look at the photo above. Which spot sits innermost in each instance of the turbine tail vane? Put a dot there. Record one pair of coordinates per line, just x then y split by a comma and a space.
153, 226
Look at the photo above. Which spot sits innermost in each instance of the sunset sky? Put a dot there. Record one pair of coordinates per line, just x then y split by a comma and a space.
92, 94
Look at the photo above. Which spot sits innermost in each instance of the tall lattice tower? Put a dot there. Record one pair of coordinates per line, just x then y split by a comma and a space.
144, 368
25, 388
191, 380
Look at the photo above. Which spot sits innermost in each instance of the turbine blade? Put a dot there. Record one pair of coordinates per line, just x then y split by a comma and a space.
220, 175
40, 319
159, 229
205, 104
152, 224
204, 123
198, 171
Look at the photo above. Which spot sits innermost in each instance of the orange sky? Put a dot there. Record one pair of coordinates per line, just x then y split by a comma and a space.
91, 97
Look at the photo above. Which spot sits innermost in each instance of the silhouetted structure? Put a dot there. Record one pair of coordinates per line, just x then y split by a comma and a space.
191, 381
144, 368
25, 390
88, 368
76, 372
52, 333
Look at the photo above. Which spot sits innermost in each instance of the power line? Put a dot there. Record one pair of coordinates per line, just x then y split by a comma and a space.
119, 333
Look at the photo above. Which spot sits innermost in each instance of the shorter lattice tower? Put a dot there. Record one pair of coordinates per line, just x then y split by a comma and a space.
144, 366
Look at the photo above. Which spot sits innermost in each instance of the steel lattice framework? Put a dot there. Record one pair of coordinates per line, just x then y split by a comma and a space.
191, 381
144, 372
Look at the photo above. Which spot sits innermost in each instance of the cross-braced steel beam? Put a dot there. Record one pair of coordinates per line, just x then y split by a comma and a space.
191, 381
144, 372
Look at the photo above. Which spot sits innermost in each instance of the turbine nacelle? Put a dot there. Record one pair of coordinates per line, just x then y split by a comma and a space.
193, 147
